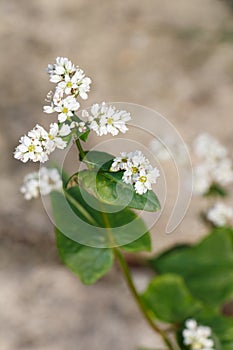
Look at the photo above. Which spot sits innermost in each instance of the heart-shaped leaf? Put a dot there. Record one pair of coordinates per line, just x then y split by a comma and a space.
88, 263
168, 299
84, 219
207, 267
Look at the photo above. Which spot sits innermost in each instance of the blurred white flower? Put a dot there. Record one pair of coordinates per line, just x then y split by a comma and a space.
223, 172
44, 181
215, 166
220, 214
197, 337
137, 170
208, 147
104, 119
169, 149
202, 179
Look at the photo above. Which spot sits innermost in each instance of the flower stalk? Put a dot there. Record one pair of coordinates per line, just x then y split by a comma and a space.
128, 278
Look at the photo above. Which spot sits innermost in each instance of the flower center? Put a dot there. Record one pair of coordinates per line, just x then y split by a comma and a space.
142, 178
65, 110
31, 148
124, 160
134, 169
110, 121
50, 137
69, 84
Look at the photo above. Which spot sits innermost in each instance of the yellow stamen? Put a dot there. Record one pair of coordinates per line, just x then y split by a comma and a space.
31, 148
110, 121
69, 84
65, 110
50, 137
142, 178
134, 170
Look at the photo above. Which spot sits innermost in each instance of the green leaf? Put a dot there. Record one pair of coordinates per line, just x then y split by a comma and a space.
109, 188
168, 299
207, 267
141, 244
86, 262
84, 219
85, 135
99, 160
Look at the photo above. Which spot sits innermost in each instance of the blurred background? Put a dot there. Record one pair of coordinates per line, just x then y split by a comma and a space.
173, 56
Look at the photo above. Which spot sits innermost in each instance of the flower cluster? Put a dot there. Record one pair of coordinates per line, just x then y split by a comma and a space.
104, 119
70, 79
216, 166
220, 214
38, 143
44, 182
197, 337
71, 83
137, 171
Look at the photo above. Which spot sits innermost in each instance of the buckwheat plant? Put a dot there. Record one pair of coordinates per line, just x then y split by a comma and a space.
95, 221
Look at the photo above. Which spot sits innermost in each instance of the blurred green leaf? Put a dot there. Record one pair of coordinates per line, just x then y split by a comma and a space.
168, 299
207, 267
216, 190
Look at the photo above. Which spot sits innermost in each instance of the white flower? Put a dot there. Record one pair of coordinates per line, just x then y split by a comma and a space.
137, 170
146, 178
76, 84
65, 130
54, 140
44, 182
197, 337
65, 107
32, 146
62, 67
105, 119
220, 214
38, 143
71, 80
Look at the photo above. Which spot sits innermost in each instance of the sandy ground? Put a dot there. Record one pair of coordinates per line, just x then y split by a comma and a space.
173, 56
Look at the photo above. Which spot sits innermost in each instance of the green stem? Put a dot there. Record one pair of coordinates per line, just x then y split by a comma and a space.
81, 151
128, 278
81, 209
